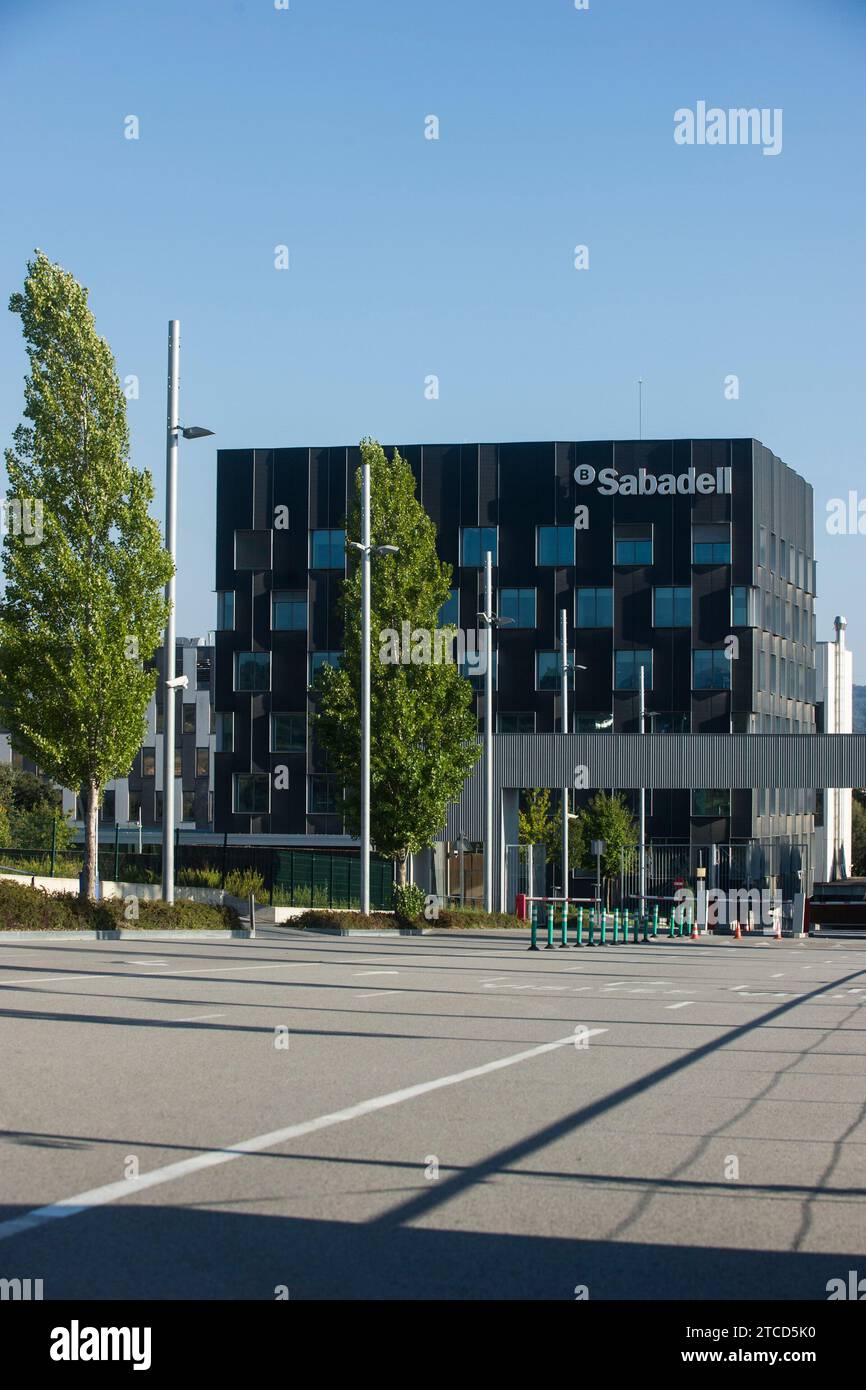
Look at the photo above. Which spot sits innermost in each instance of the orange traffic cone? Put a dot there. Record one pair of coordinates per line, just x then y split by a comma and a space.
738, 935
695, 932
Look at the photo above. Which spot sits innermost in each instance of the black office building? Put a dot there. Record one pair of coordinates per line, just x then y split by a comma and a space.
691, 559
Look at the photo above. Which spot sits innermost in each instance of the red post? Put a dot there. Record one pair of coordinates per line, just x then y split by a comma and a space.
520, 906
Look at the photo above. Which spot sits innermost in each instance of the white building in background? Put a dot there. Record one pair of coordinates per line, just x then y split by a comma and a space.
834, 673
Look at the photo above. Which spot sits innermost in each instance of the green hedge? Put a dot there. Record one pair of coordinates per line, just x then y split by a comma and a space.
470, 920
377, 921
23, 908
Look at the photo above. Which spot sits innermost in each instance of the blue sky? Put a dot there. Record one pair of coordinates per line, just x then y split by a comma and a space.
410, 256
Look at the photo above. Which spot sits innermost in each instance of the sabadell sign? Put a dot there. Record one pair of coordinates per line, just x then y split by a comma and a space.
644, 484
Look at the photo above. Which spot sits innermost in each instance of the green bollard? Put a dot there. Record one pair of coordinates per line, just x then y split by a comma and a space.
645, 927
550, 911
625, 926
579, 940
636, 927
603, 941
688, 921
672, 923
533, 945
564, 934
615, 925
591, 926
656, 920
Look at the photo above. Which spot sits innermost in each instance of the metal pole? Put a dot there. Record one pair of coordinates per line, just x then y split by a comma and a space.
168, 649
366, 561
461, 848
563, 642
488, 735
642, 851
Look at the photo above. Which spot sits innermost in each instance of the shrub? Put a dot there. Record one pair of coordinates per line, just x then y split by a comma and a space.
409, 901
23, 908
377, 921
473, 919
241, 882
199, 878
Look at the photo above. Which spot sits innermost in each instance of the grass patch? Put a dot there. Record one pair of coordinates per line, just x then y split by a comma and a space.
23, 908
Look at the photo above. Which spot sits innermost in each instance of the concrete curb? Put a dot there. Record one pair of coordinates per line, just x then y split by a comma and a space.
140, 935
361, 931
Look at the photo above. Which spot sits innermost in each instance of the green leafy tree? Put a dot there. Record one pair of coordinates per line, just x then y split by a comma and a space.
83, 607
606, 817
424, 739
536, 824
858, 833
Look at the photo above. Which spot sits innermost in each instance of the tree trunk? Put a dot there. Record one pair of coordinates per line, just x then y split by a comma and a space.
401, 870
91, 841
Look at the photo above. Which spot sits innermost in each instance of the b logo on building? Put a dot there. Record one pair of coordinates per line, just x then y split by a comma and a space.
644, 484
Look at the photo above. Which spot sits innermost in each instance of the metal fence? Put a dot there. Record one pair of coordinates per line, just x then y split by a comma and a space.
754, 864
291, 877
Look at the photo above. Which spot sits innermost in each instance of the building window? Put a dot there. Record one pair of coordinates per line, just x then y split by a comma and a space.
225, 732
593, 722
320, 659
449, 613
160, 719
475, 542
252, 550
106, 812
518, 605
713, 802
288, 733
323, 796
762, 547
711, 544
226, 611
251, 794
742, 722
669, 722
188, 724
157, 807
711, 670
744, 602
627, 668
289, 611
148, 762
188, 807
202, 762
594, 608
328, 550
555, 545
773, 551
516, 723
135, 806
202, 672
252, 671
178, 763
672, 607
548, 671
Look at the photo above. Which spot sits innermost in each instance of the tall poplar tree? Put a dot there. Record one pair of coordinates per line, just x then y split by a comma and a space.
424, 739
83, 607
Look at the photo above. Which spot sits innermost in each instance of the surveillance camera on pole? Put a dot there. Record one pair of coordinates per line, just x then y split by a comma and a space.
178, 683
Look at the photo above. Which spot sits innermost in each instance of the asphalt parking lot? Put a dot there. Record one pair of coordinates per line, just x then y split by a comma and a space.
439, 1117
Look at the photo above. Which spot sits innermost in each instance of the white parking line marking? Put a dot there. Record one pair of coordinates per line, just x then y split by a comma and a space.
377, 993
683, 1004
195, 1018
127, 1187
48, 979
377, 972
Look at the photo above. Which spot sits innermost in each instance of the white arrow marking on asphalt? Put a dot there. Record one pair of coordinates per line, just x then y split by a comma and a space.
127, 1187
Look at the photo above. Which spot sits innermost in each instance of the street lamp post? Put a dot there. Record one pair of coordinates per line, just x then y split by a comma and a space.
171, 682
488, 620
563, 642
367, 551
